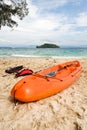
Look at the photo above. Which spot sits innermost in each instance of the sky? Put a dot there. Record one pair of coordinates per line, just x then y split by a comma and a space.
61, 22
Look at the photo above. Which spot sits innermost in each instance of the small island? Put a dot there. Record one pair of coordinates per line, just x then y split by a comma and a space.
48, 45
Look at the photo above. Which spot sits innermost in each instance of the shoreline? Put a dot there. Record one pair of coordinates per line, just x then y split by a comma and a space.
65, 110
55, 57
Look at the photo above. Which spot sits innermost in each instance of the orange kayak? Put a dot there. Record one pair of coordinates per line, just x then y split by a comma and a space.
47, 82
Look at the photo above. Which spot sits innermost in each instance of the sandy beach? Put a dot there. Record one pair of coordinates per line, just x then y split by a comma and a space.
66, 110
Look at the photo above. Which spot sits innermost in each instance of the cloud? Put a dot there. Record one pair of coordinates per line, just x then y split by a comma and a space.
33, 10
49, 4
44, 25
81, 20
3, 40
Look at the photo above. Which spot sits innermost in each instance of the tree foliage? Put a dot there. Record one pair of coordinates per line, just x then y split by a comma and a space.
48, 45
10, 8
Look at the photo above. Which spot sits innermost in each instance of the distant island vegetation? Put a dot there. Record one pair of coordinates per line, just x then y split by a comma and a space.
48, 45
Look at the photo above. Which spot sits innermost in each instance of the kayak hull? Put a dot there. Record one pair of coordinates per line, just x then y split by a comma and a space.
38, 86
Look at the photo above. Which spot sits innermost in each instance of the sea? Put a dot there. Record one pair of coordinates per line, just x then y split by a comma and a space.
43, 52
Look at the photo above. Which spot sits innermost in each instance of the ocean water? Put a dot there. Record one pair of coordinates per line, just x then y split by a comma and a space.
43, 52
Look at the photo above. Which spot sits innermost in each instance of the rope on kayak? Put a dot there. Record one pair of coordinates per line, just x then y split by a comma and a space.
41, 76
15, 101
53, 73
45, 77
76, 72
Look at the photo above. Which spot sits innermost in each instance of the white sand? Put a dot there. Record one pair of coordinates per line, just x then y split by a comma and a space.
64, 111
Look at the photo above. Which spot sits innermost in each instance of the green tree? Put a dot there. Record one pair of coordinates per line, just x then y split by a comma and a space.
11, 8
